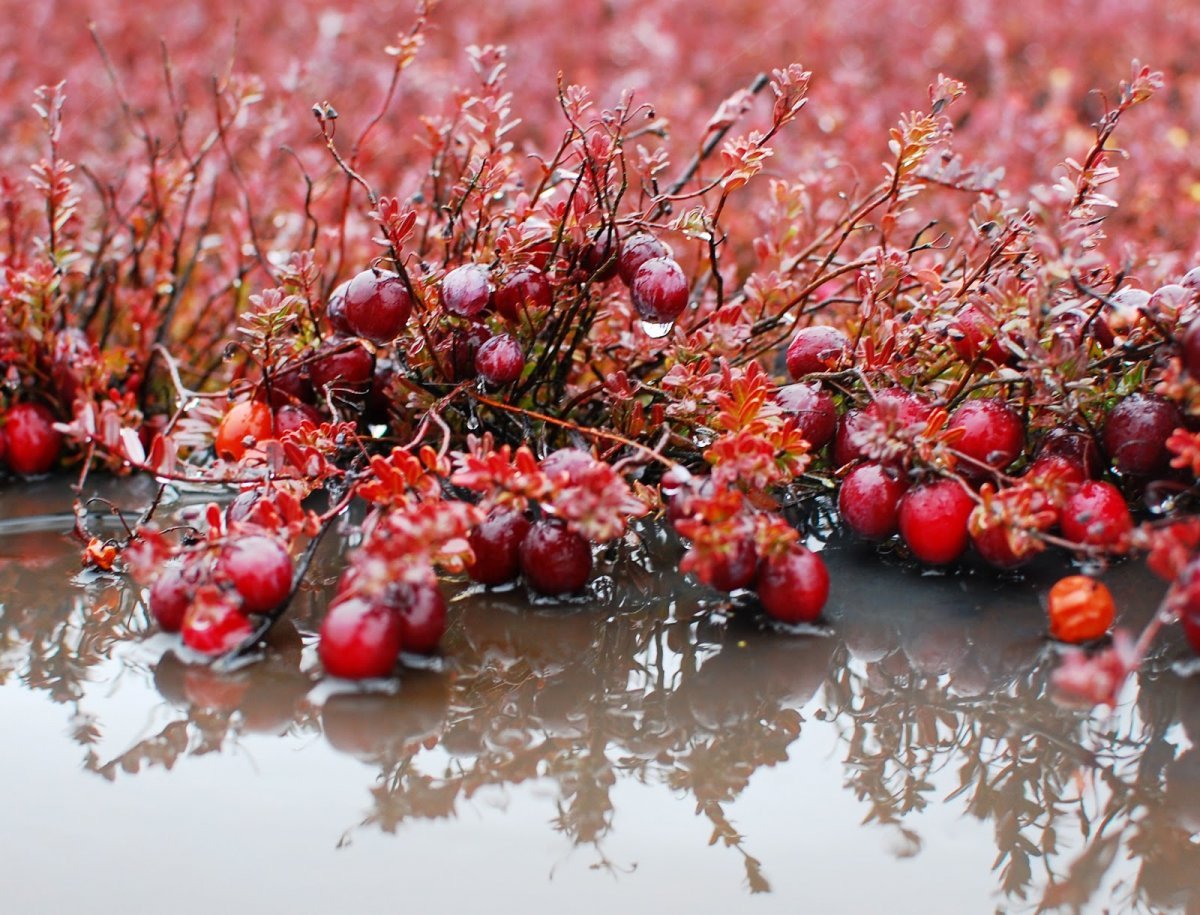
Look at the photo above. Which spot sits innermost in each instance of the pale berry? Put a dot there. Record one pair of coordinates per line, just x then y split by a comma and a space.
260, 570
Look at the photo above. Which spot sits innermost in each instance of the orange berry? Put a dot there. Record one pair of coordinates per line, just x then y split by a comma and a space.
247, 420
1081, 609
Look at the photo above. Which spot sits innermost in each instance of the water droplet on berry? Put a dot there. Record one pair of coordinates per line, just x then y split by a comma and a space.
657, 331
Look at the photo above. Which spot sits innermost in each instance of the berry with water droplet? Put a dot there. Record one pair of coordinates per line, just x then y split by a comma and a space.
869, 501
1136, 433
243, 426
659, 291
1096, 515
525, 289
635, 251
500, 360
933, 521
817, 348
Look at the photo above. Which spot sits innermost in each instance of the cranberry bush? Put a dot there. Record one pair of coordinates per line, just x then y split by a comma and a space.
508, 341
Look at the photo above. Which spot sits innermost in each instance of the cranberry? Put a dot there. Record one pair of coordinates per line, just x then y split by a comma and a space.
466, 290
1074, 445
244, 426
659, 291
566, 464
342, 366
31, 441
1191, 349
291, 385
260, 569
422, 612
992, 433
243, 506
359, 639
974, 337
846, 438
893, 410
869, 501
72, 358
496, 543
335, 311
733, 568
635, 251
555, 559
458, 349
1055, 476
500, 360
377, 306
215, 624
814, 409
597, 257
992, 544
1187, 586
291, 416
816, 349
525, 288
933, 521
170, 597
1136, 433
1096, 514
794, 586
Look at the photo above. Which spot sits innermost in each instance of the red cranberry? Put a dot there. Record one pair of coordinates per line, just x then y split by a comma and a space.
215, 624
525, 288
377, 306
422, 612
1187, 586
818, 348
598, 257
659, 291
1191, 349
869, 501
291, 385
554, 559
848, 436
170, 597
1096, 514
335, 311
1136, 433
260, 569
991, 543
291, 416
814, 409
342, 366
794, 586
1075, 446
992, 433
359, 639
933, 521
733, 568
496, 543
1055, 476
892, 410
974, 336
457, 351
466, 290
32, 443
500, 360
635, 251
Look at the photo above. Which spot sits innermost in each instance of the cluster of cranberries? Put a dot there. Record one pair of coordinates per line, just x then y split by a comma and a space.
29, 443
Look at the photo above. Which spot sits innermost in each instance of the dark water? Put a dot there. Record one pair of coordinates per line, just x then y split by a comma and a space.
649, 750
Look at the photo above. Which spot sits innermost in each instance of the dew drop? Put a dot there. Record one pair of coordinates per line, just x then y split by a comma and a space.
657, 330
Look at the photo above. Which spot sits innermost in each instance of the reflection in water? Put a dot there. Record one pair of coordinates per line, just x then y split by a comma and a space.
936, 690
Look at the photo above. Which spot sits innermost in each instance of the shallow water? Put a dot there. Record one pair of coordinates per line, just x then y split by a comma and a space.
651, 749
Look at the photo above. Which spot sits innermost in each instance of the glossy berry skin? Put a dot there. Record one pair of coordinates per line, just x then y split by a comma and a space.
991, 433
215, 625
1096, 514
525, 289
814, 410
466, 290
343, 367
818, 348
846, 437
596, 257
170, 597
292, 386
260, 570
1191, 348
457, 351
1081, 609
993, 547
734, 568
659, 291
422, 613
377, 306
1136, 433
496, 543
933, 521
244, 425
794, 586
869, 501
500, 360
291, 416
31, 443
554, 559
973, 337
635, 251
1074, 445
359, 639
335, 310
893, 410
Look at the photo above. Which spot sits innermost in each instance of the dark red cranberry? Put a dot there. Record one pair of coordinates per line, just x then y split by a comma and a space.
215, 624
342, 366
260, 570
635, 251
526, 288
933, 521
598, 256
496, 543
869, 501
991, 543
659, 291
1187, 587
991, 433
422, 612
170, 597
1136, 433
848, 437
1096, 514
377, 306
1075, 446
500, 360
32, 443
359, 639
733, 568
291, 385
466, 290
974, 337
1191, 349
71, 360
817, 348
291, 416
814, 409
335, 311
893, 410
456, 352
794, 586
554, 559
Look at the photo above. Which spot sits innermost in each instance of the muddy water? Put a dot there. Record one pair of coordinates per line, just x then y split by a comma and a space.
649, 750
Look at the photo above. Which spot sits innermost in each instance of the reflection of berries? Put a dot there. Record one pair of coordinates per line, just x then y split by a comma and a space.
635, 251
466, 290
215, 624
933, 521
1136, 433
359, 639
794, 586
1081, 609
244, 425
500, 360
554, 559
422, 612
991, 433
817, 348
32, 444
496, 543
869, 501
1096, 514
260, 569
377, 306
659, 290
